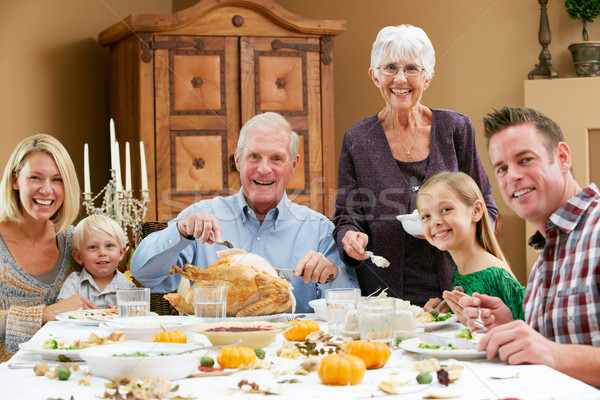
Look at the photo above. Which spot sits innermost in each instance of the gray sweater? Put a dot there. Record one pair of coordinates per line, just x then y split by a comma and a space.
374, 187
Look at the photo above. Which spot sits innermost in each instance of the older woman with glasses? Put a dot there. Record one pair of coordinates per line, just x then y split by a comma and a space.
384, 160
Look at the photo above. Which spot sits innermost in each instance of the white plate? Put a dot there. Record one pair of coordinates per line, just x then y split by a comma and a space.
86, 317
35, 347
431, 326
412, 345
143, 328
271, 317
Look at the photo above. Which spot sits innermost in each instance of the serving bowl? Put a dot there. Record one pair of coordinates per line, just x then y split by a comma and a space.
143, 328
254, 334
411, 223
161, 360
320, 307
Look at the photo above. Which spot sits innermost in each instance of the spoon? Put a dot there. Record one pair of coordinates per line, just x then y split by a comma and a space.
209, 347
380, 261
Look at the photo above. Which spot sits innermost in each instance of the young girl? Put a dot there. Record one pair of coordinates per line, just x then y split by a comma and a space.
455, 219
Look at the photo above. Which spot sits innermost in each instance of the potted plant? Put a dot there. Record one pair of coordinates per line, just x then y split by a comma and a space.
586, 54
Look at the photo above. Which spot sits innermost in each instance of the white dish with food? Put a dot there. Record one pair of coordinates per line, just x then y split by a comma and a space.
142, 360
253, 334
430, 326
64, 350
143, 328
411, 223
88, 317
412, 345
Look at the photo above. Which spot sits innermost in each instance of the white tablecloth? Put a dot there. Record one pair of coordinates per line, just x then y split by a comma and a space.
533, 382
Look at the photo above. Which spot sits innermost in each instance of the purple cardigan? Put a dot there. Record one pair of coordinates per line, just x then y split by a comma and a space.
374, 187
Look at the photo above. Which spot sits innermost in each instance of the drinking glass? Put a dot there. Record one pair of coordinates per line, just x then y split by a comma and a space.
376, 319
339, 303
133, 302
210, 303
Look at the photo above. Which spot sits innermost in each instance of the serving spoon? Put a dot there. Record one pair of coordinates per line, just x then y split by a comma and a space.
217, 346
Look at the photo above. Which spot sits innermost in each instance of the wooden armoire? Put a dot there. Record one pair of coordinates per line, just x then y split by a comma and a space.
185, 83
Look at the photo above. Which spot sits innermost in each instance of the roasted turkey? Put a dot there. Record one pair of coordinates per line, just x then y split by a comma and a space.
253, 285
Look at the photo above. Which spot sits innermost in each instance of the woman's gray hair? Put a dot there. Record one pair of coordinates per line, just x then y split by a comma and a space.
271, 119
403, 42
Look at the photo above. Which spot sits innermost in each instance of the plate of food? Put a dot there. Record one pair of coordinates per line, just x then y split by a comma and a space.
143, 328
444, 346
429, 323
88, 317
67, 349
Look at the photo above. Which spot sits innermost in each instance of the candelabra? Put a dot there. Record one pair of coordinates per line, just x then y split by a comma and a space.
119, 205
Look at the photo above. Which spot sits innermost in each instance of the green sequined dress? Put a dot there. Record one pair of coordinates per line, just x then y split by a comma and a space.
494, 281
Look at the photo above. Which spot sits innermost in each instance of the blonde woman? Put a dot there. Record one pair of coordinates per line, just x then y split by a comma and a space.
39, 200
455, 219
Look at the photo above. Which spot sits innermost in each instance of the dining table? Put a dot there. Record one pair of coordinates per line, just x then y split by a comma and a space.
479, 379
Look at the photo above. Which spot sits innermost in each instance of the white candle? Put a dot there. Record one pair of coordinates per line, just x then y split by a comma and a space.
143, 161
113, 139
118, 167
127, 167
86, 169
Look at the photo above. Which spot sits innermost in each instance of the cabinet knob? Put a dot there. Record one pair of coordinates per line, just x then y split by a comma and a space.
199, 163
237, 21
280, 82
197, 81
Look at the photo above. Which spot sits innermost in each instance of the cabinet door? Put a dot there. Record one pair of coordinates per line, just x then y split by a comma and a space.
197, 119
283, 75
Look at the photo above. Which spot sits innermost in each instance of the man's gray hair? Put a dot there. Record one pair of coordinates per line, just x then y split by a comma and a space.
271, 119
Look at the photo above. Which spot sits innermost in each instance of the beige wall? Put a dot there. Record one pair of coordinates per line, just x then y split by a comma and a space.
53, 73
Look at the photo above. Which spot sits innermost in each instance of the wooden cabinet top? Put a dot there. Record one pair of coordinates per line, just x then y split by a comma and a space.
226, 18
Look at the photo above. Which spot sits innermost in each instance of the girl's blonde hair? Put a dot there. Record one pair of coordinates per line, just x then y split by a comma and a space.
10, 209
98, 223
467, 190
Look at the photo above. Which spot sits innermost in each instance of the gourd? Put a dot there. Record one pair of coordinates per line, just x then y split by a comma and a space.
299, 332
341, 370
169, 337
235, 357
374, 354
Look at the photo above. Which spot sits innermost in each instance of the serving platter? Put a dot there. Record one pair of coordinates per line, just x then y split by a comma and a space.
143, 328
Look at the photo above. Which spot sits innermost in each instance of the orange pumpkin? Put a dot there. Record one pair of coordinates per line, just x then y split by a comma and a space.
169, 337
235, 356
300, 331
374, 354
341, 370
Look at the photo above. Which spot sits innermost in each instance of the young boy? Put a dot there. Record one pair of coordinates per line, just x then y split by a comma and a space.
98, 245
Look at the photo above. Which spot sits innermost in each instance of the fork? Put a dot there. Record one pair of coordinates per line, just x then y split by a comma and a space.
479, 323
436, 310
291, 317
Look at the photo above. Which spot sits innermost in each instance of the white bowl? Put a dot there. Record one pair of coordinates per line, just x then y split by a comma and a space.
253, 334
143, 328
320, 307
101, 361
411, 223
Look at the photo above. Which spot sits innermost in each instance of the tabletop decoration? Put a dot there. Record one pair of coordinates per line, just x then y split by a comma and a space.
117, 202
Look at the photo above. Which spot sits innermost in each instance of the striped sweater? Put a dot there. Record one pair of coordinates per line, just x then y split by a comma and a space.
22, 297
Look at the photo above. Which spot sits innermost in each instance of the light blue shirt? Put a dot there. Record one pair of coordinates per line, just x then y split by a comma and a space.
288, 232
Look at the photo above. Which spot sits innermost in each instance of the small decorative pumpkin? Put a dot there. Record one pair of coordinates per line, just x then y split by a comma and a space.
300, 331
169, 337
374, 354
341, 370
235, 357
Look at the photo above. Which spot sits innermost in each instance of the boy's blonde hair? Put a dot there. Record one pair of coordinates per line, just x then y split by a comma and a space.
98, 223
467, 190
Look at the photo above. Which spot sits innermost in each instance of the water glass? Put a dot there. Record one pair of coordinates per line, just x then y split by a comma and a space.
210, 303
133, 302
339, 303
376, 319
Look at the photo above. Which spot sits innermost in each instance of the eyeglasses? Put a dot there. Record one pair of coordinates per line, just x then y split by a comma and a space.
409, 70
